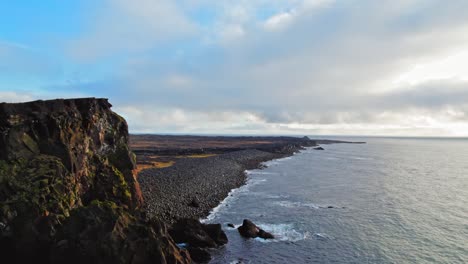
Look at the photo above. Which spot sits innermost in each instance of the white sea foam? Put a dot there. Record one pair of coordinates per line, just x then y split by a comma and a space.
289, 204
257, 172
360, 158
214, 212
238, 261
274, 162
323, 236
282, 232
270, 163
271, 196
232, 196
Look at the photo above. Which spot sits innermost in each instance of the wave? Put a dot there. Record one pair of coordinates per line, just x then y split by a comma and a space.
232, 196
270, 163
260, 172
251, 181
282, 232
323, 236
289, 204
276, 161
270, 196
234, 193
360, 158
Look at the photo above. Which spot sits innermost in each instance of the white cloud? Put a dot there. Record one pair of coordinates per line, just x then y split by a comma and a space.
14, 97
453, 66
317, 3
278, 21
141, 119
385, 67
283, 19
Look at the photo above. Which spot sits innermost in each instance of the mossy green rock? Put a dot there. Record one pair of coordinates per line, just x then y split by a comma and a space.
106, 233
67, 187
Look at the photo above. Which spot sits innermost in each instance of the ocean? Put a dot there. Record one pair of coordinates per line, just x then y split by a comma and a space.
392, 200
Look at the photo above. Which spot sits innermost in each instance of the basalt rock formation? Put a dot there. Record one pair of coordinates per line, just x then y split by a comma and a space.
250, 230
198, 237
68, 190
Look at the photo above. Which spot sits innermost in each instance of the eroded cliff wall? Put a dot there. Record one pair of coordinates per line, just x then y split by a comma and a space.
67, 187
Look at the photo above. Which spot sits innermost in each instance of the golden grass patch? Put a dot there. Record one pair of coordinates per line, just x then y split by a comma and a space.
198, 156
162, 164
156, 164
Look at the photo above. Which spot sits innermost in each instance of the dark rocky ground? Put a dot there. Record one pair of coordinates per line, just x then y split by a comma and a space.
192, 187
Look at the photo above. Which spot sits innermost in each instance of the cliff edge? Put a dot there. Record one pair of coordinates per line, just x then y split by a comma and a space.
68, 191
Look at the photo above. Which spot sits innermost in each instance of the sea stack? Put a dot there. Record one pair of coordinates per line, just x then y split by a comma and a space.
249, 230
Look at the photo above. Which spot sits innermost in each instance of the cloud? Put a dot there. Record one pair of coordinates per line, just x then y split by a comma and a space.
13, 97
294, 66
334, 65
171, 119
429, 95
283, 19
279, 21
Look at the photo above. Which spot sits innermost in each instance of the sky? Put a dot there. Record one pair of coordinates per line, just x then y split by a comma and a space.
305, 67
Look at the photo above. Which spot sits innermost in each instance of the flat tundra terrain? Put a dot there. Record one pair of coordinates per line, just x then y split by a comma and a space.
162, 151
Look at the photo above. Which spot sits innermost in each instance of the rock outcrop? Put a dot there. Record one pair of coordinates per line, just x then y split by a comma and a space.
68, 187
250, 230
198, 237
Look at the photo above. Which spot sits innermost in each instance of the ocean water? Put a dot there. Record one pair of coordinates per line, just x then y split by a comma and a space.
394, 200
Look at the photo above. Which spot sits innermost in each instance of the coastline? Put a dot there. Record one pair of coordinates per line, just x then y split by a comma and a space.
248, 182
200, 185
187, 194
193, 187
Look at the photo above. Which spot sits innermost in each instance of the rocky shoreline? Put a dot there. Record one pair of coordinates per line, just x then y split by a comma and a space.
192, 187
182, 194
188, 190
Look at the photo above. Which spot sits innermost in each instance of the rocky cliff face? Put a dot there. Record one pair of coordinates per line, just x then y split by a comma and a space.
67, 187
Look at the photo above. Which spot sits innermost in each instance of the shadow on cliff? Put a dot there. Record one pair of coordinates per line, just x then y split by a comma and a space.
68, 192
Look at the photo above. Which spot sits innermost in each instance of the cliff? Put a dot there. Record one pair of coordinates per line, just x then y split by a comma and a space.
68, 190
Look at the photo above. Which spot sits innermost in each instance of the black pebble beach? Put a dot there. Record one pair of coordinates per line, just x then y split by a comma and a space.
192, 187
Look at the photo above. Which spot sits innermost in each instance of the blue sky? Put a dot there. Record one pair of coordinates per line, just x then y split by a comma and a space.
354, 67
